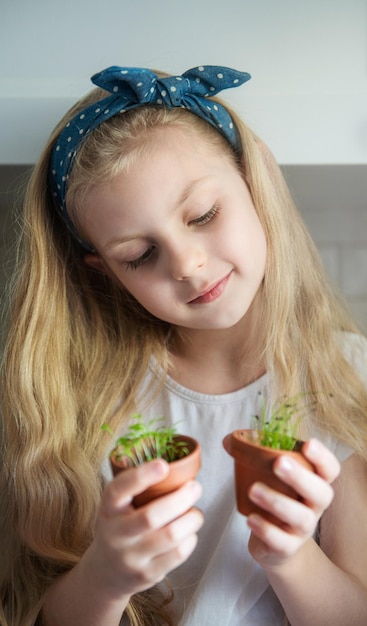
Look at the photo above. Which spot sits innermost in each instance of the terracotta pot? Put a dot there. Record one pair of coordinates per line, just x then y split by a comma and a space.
254, 463
180, 472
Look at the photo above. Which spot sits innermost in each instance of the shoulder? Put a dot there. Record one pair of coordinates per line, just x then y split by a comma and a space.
354, 349
345, 542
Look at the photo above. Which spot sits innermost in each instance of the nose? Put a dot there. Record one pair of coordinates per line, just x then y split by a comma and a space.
185, 260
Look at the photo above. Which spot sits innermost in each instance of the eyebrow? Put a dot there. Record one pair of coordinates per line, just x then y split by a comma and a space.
187, 192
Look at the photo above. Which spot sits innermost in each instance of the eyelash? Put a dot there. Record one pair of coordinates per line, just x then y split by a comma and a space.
144, 258
204, 219
200, 221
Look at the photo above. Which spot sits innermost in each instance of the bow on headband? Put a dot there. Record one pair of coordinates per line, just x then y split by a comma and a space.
131, 87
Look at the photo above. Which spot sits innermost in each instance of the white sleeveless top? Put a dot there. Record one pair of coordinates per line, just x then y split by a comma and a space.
220, 584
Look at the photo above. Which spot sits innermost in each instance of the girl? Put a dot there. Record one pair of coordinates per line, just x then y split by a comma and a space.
164, 269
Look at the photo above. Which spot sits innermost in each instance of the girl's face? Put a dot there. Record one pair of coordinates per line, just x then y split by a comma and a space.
179, 231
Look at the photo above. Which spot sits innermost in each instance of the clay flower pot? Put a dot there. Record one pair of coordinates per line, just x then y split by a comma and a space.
180, 471
254, 463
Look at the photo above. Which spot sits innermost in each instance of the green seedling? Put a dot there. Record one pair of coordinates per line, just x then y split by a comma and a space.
278, 430
145, 442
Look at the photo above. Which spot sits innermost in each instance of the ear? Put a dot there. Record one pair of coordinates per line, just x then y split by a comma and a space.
95, 262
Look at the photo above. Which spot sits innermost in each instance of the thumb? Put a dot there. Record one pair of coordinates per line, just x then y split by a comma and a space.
120, 492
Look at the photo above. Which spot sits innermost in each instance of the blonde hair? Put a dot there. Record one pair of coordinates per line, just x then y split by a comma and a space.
78, 350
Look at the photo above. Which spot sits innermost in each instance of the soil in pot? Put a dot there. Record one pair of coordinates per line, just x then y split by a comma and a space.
180, 471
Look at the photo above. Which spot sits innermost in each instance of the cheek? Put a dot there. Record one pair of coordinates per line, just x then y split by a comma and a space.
143, 289
127, 279
249, 242
248, 234
154, 299
259, 250
261, 244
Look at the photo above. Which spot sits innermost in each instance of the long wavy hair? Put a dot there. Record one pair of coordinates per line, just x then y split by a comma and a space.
78, 349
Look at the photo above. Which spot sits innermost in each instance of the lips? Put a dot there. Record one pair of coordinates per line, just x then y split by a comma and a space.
213, 292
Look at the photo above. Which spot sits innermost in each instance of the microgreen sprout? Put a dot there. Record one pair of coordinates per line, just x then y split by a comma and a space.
278, 430
144, 442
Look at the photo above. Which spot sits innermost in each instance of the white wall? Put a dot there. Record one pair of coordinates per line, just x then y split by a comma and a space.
308, 59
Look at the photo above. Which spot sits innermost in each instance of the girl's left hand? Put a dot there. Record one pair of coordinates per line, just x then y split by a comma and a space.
271, 545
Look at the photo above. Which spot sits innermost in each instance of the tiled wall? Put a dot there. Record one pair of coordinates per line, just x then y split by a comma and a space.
332, 200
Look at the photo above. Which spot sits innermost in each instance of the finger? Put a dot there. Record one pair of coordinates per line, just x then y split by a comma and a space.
269, 540
164, 540
141, 573
161, 565
313, 489
128, 483
129, 527
157, 569
296, 517
162, 511
325, 462
150, 556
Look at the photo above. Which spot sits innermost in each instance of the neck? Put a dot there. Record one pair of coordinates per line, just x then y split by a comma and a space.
216, 361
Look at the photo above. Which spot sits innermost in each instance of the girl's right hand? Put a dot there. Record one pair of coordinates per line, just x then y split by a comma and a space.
134, 548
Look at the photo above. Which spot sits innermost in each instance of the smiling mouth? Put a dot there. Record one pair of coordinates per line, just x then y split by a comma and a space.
213, 293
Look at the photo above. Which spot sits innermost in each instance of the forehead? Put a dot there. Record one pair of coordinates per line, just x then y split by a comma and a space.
170, 160
161, 159
117, 144
169, 148
173, 168
202, 138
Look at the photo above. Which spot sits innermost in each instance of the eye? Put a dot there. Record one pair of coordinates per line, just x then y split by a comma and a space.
141, 260
206, 217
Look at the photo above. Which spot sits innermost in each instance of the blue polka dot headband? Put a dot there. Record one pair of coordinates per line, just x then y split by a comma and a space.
131, 87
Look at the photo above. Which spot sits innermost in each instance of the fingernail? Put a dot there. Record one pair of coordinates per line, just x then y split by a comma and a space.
256, 490
283, 466
196, 488
313, 447
159, 467
254, 520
